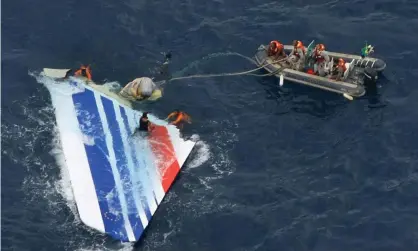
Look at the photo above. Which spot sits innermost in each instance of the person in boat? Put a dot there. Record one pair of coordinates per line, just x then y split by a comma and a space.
179, 117
139, 88
366, 50
144, 124
276, 50
341, 68
297, 55
321, 60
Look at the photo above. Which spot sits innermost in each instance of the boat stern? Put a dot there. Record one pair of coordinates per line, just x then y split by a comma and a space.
379, 65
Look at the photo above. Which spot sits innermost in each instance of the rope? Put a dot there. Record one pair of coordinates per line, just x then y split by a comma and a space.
215, 55
231, 73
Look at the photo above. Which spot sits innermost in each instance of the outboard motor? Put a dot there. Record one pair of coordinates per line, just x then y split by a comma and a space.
370, 77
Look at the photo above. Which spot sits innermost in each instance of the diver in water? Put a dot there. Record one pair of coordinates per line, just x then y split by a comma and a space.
164, 71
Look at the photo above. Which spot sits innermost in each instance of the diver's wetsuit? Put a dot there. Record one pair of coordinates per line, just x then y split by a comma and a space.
143, 125
162, 73
143, 128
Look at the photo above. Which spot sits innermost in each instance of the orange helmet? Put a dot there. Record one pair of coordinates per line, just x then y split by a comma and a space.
297, 44
320, 47
276, 44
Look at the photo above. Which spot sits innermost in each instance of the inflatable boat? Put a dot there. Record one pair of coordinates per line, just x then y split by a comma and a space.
360, 71
118, 178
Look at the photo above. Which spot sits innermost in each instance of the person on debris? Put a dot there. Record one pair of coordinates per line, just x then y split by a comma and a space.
84, 71
297, 55
179, 117
144, 124
321, 60
276, 50
139, 88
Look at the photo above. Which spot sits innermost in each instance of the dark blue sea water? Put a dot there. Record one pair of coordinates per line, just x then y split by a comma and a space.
288, 168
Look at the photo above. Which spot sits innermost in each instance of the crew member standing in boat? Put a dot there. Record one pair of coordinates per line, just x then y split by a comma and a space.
297, 56
276, 50
341, 68
321, 59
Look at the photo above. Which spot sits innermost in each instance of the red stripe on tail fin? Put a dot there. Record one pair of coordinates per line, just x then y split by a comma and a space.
166, 157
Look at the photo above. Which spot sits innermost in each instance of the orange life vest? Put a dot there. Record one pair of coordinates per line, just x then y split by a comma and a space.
87, 69
277, 49
317, 53
310, 71
299, 45
341, 64
180, 117
318, 57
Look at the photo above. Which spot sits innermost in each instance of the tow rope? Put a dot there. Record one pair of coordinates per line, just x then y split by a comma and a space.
249, 72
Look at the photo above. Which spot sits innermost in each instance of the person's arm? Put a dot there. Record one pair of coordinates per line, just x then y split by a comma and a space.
151, 126
182, 117
176, 121
171, 115
179, 118
187, 118
326, 57
88, 73
268, 51
292, 52
340, 73
283, 53
301, 52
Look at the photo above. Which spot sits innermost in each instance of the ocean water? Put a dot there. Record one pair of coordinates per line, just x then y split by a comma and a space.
276, 168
